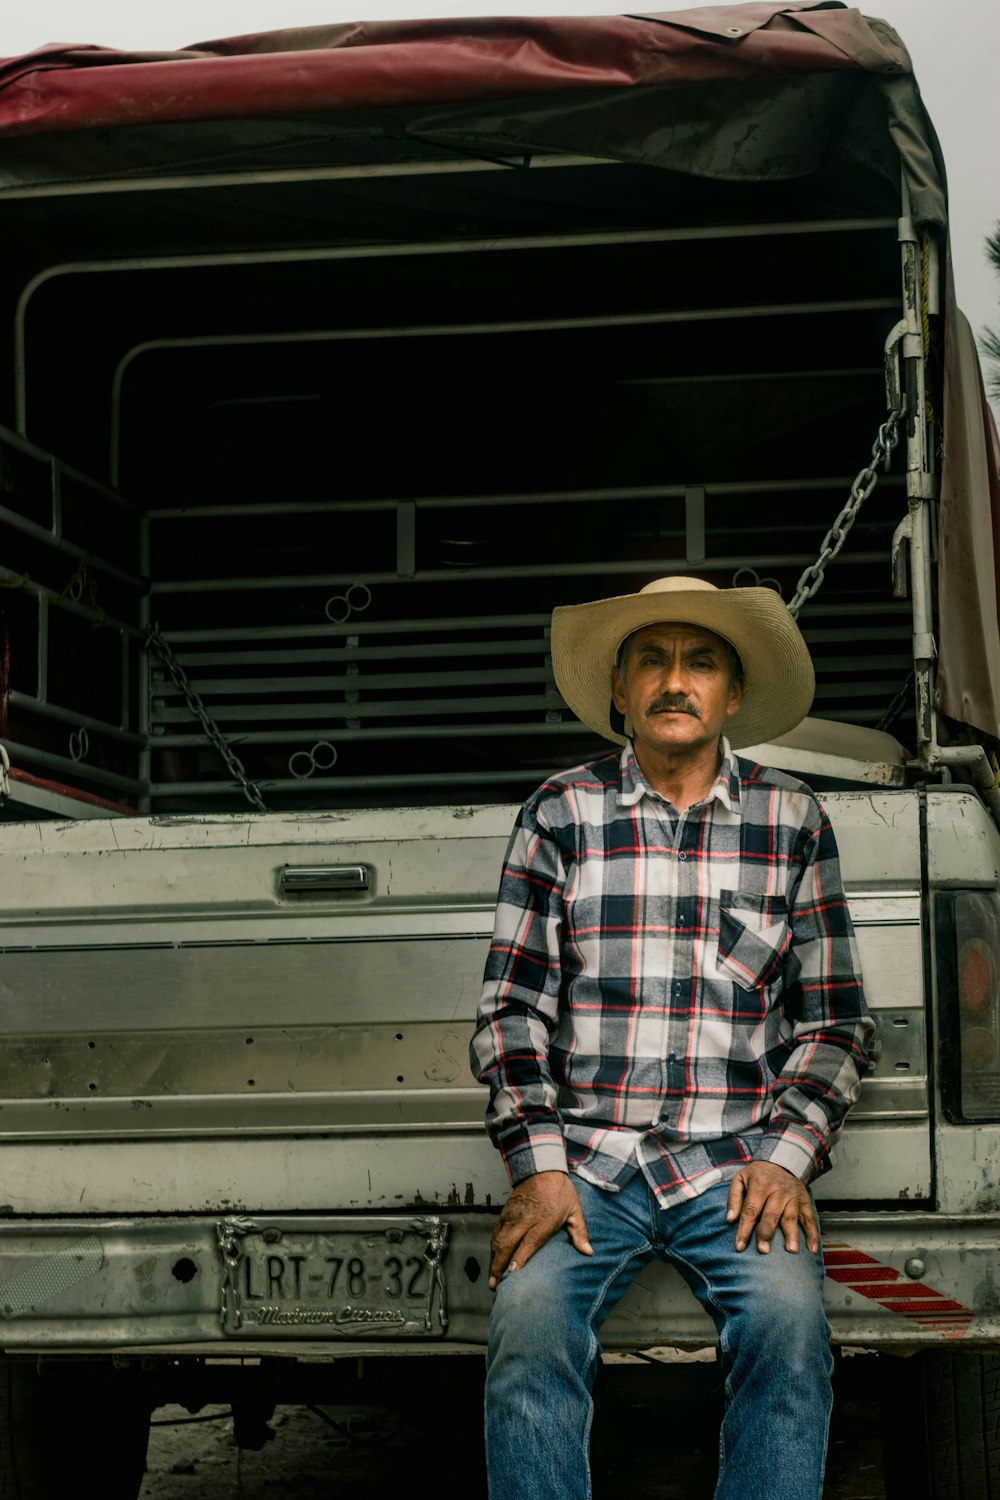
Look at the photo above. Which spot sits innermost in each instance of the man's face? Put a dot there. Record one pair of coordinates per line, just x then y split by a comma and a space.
676, 687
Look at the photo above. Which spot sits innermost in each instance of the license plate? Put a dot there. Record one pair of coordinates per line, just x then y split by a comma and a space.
329, 1278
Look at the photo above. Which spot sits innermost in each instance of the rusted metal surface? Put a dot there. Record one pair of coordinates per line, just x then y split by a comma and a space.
893, 1282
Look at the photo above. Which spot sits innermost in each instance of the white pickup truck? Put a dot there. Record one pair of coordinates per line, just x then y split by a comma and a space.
337, 358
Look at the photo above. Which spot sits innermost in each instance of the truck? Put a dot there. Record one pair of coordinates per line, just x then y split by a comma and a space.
334, 358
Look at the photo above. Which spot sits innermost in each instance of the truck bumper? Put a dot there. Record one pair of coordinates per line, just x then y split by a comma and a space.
894, 1282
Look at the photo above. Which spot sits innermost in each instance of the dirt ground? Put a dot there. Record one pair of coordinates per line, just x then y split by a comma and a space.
647, 1408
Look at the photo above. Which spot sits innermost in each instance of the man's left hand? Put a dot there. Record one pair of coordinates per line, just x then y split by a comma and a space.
766, 1196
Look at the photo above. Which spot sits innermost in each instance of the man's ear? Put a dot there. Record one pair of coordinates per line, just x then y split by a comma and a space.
735, 698
617, 695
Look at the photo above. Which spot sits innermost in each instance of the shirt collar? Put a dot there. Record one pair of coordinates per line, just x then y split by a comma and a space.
726, 789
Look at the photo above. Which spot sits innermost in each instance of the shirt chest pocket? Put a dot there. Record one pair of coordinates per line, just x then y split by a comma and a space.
754, 937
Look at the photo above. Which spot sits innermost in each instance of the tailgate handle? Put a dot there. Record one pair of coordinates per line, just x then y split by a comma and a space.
307, 880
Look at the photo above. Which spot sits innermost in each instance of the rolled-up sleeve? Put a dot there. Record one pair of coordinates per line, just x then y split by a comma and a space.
824, 1003
519, 1005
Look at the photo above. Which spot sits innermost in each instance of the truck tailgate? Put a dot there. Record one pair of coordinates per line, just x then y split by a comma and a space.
275, 1011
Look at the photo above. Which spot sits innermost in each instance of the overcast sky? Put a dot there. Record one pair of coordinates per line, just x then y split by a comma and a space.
955, 45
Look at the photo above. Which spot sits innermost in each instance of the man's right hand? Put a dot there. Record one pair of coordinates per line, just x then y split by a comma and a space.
537, 1209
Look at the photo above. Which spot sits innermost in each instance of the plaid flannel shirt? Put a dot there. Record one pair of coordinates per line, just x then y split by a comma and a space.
676, 992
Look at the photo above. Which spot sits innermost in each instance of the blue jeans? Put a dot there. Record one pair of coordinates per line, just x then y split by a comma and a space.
544, 1352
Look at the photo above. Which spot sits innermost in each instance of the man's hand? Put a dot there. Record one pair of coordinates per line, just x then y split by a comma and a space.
766, 1195
537, 1209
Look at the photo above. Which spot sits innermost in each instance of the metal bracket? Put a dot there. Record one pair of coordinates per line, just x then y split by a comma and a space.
437, 1243
922, 486
900, 570
894, 399
229, 1232
924, 647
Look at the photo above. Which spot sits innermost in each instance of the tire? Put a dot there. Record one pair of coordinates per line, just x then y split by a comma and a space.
73, 1428
941, 1426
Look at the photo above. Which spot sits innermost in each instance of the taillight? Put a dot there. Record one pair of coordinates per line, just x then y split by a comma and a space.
977, 944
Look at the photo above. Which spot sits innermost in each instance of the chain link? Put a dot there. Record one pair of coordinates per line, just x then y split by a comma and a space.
155, 642
79, 743
82, 589
320, 757
867, 479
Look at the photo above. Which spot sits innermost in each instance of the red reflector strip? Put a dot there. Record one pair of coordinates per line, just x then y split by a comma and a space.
841, 1257
882, 1284
923, 1314
861, 1273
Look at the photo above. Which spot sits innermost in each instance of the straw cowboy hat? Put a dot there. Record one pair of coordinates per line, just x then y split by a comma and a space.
778, 682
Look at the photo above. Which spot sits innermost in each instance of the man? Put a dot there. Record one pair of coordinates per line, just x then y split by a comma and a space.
672, 1028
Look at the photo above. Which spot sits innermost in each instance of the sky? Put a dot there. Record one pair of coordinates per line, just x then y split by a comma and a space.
955, 46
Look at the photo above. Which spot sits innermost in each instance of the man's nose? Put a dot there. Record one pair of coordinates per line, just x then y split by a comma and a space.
674, 678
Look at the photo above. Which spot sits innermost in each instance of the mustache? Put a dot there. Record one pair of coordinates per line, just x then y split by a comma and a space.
675, 701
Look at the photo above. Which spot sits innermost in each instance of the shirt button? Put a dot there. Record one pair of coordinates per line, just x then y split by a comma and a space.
682, 855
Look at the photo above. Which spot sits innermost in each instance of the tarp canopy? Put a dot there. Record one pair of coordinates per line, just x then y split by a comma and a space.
554, 75
757, 92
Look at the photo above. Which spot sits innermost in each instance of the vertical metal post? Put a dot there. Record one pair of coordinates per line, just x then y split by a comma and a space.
55, 483
143, 715
55, 470
921, 486
694, 523
406, 538
353, 642
125, 658
42, 683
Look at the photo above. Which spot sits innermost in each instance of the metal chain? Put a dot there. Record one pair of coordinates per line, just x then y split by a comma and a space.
835, 538
898, 703
155, 642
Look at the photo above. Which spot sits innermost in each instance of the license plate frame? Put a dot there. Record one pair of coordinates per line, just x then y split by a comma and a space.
333, 1277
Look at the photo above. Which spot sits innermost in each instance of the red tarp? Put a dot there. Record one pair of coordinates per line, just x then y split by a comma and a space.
374, 64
